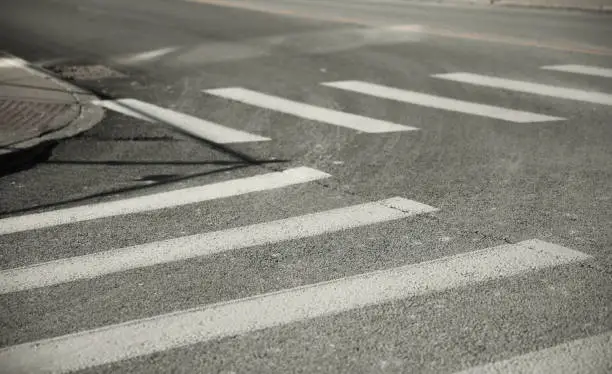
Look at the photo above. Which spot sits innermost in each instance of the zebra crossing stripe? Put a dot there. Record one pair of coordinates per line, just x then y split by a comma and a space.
439, 102
588, 355
183, 248
581, 69
192, 125
160, 200
529, 87
307, 111
137, 338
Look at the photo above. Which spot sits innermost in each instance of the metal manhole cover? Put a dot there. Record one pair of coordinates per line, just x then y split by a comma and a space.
22, 120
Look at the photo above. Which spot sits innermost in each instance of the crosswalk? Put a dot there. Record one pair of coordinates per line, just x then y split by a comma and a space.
130, 339
361, 123
141, 337
135, 338
112, 261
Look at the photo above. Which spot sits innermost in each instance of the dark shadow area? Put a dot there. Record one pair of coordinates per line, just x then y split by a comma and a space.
157, 177
157, 180
42, 153
160, 163
21, 160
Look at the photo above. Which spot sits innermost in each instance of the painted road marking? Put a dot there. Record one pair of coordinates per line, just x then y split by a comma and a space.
581, 69
439, 102
589, 355
11, 62
307, 111
178, 249
528, 87
161, 200
136, 338
189, 124
147, 56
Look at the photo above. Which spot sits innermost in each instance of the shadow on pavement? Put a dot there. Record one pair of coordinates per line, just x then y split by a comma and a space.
25, 159
156, 181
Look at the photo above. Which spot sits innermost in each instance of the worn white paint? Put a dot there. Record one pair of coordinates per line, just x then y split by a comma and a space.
192, 125
12, 62
136, 338
529, 87
589, 355
581, 69
148, 56
307, 111
439, 102
123, 259
160, 200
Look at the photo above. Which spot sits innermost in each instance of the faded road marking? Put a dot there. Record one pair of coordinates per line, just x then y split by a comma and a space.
439, 102
137, 338
161, 200
311, 112
192, 125
206, 244
530, 88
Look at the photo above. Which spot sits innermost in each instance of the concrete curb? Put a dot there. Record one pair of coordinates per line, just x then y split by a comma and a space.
88, 116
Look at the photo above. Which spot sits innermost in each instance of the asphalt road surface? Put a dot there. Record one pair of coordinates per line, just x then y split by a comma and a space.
314, 187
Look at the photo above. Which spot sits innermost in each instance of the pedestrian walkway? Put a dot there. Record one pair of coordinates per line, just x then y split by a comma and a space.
136, 338
362, 123
131, 338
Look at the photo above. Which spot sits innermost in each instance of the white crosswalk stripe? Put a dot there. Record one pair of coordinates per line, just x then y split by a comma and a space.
123, 259
192, 125
589, 355
581, 69
307, 111
141, 337
161, 200
529, 87
439, 102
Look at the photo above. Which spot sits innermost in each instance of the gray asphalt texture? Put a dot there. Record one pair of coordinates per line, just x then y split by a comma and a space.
494, 182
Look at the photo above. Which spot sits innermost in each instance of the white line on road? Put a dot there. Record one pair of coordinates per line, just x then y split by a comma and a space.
589, 355
146, 336
439, 102
141, 57
12, 62
160, 200
190, 124
581, 69
123, 259
311, 112
528, 87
